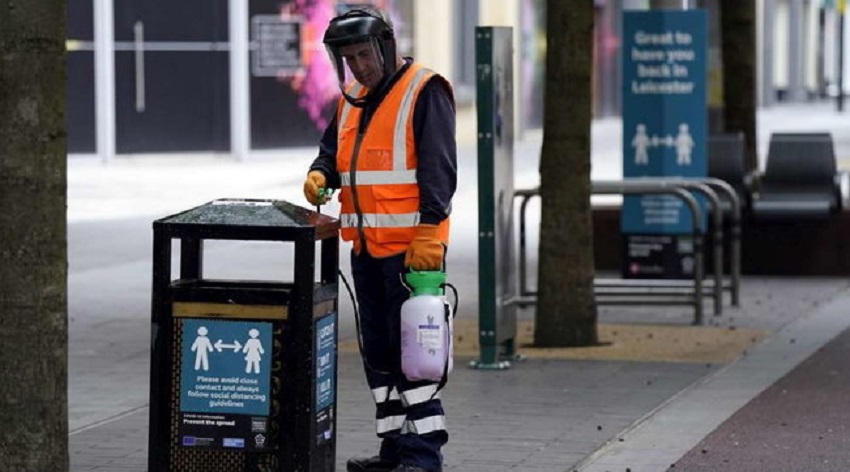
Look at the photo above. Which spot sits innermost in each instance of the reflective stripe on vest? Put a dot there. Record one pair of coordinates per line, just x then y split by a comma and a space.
380, 220
355, 91
400, 136
380, 177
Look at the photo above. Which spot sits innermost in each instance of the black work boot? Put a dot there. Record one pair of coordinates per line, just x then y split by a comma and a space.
370, 464
409, 468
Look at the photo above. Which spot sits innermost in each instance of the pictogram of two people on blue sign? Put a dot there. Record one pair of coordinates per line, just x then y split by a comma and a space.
683, 142
253, 350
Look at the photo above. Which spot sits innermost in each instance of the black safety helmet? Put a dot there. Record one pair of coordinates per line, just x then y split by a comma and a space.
361, 25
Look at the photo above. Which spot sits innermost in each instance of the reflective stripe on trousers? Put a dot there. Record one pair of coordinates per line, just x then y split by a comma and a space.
388, 400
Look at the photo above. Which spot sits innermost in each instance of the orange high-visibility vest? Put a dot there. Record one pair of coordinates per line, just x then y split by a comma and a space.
379, 196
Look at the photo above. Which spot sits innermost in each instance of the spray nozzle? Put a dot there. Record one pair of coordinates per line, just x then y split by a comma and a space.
426, 282
324, 195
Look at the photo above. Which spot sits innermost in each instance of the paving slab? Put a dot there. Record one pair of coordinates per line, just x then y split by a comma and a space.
538, 415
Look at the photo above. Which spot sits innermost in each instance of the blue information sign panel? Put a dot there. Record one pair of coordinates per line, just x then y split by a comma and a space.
664, 111
325, 358
325, 376
225, 383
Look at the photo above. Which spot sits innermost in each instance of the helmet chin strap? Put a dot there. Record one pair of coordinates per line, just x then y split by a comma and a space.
372, 96
359, 102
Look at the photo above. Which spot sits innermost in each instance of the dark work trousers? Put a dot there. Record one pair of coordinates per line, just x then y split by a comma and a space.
409, 415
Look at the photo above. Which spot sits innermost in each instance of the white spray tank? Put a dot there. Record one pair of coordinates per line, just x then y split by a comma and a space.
427, 328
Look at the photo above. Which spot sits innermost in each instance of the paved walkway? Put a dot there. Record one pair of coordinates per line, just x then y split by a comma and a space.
550, 414
586, 415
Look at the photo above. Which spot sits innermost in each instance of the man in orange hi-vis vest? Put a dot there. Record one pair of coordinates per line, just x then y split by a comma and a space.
391, 151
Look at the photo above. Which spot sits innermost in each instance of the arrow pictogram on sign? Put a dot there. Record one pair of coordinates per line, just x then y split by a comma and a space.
219, 345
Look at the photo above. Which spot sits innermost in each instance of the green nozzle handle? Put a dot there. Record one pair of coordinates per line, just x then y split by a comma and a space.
325, 194
426, 282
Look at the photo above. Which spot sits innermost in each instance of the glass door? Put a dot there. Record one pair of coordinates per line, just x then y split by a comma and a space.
171, 76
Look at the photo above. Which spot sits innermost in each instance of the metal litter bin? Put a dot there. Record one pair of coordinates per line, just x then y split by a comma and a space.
243, 373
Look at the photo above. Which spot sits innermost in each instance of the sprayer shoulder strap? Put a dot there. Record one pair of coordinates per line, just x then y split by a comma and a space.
445, 377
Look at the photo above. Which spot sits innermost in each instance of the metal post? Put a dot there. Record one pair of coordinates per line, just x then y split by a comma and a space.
161, 327
766, 52
240, 115
735, 235
191, 258
523, 287
104, 72
840, 98
795, 51
496, 319
717, 223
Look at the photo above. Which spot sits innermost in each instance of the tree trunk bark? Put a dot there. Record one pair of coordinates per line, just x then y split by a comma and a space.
33, 268
566, 311
738, 31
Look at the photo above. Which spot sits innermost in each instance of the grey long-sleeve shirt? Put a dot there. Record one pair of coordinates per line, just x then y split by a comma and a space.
434, 137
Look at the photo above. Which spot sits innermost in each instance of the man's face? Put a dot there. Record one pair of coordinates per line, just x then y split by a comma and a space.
363, 62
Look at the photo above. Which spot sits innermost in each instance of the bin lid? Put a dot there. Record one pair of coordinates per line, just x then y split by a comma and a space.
255, 213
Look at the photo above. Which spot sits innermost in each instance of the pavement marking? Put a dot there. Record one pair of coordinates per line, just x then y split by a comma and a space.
667, 433
104, 421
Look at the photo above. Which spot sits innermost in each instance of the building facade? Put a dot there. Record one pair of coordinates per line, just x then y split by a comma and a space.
238, 76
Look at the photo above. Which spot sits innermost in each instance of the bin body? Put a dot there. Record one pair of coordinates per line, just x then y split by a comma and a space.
243, 373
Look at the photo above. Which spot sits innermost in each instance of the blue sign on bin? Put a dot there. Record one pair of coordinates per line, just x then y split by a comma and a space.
225, 367
664, 111
325, 360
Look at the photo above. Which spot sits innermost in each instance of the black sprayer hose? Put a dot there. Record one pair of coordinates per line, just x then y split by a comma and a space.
356, 311
357, 326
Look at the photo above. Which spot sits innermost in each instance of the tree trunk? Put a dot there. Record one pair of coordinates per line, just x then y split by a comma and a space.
566, 311
33, 268
738, 31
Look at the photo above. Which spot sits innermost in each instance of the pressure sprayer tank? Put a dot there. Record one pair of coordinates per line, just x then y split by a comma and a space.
426, 328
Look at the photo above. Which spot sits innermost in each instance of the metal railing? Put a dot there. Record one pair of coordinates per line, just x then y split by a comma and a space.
662, 291
734, 285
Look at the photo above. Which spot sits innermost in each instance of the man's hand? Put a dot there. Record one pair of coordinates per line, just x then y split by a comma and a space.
426, 250
315, 181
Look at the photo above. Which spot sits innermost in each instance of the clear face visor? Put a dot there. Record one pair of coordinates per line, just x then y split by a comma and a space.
361, 62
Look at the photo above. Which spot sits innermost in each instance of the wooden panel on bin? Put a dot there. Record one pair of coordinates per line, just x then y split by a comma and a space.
227, 310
